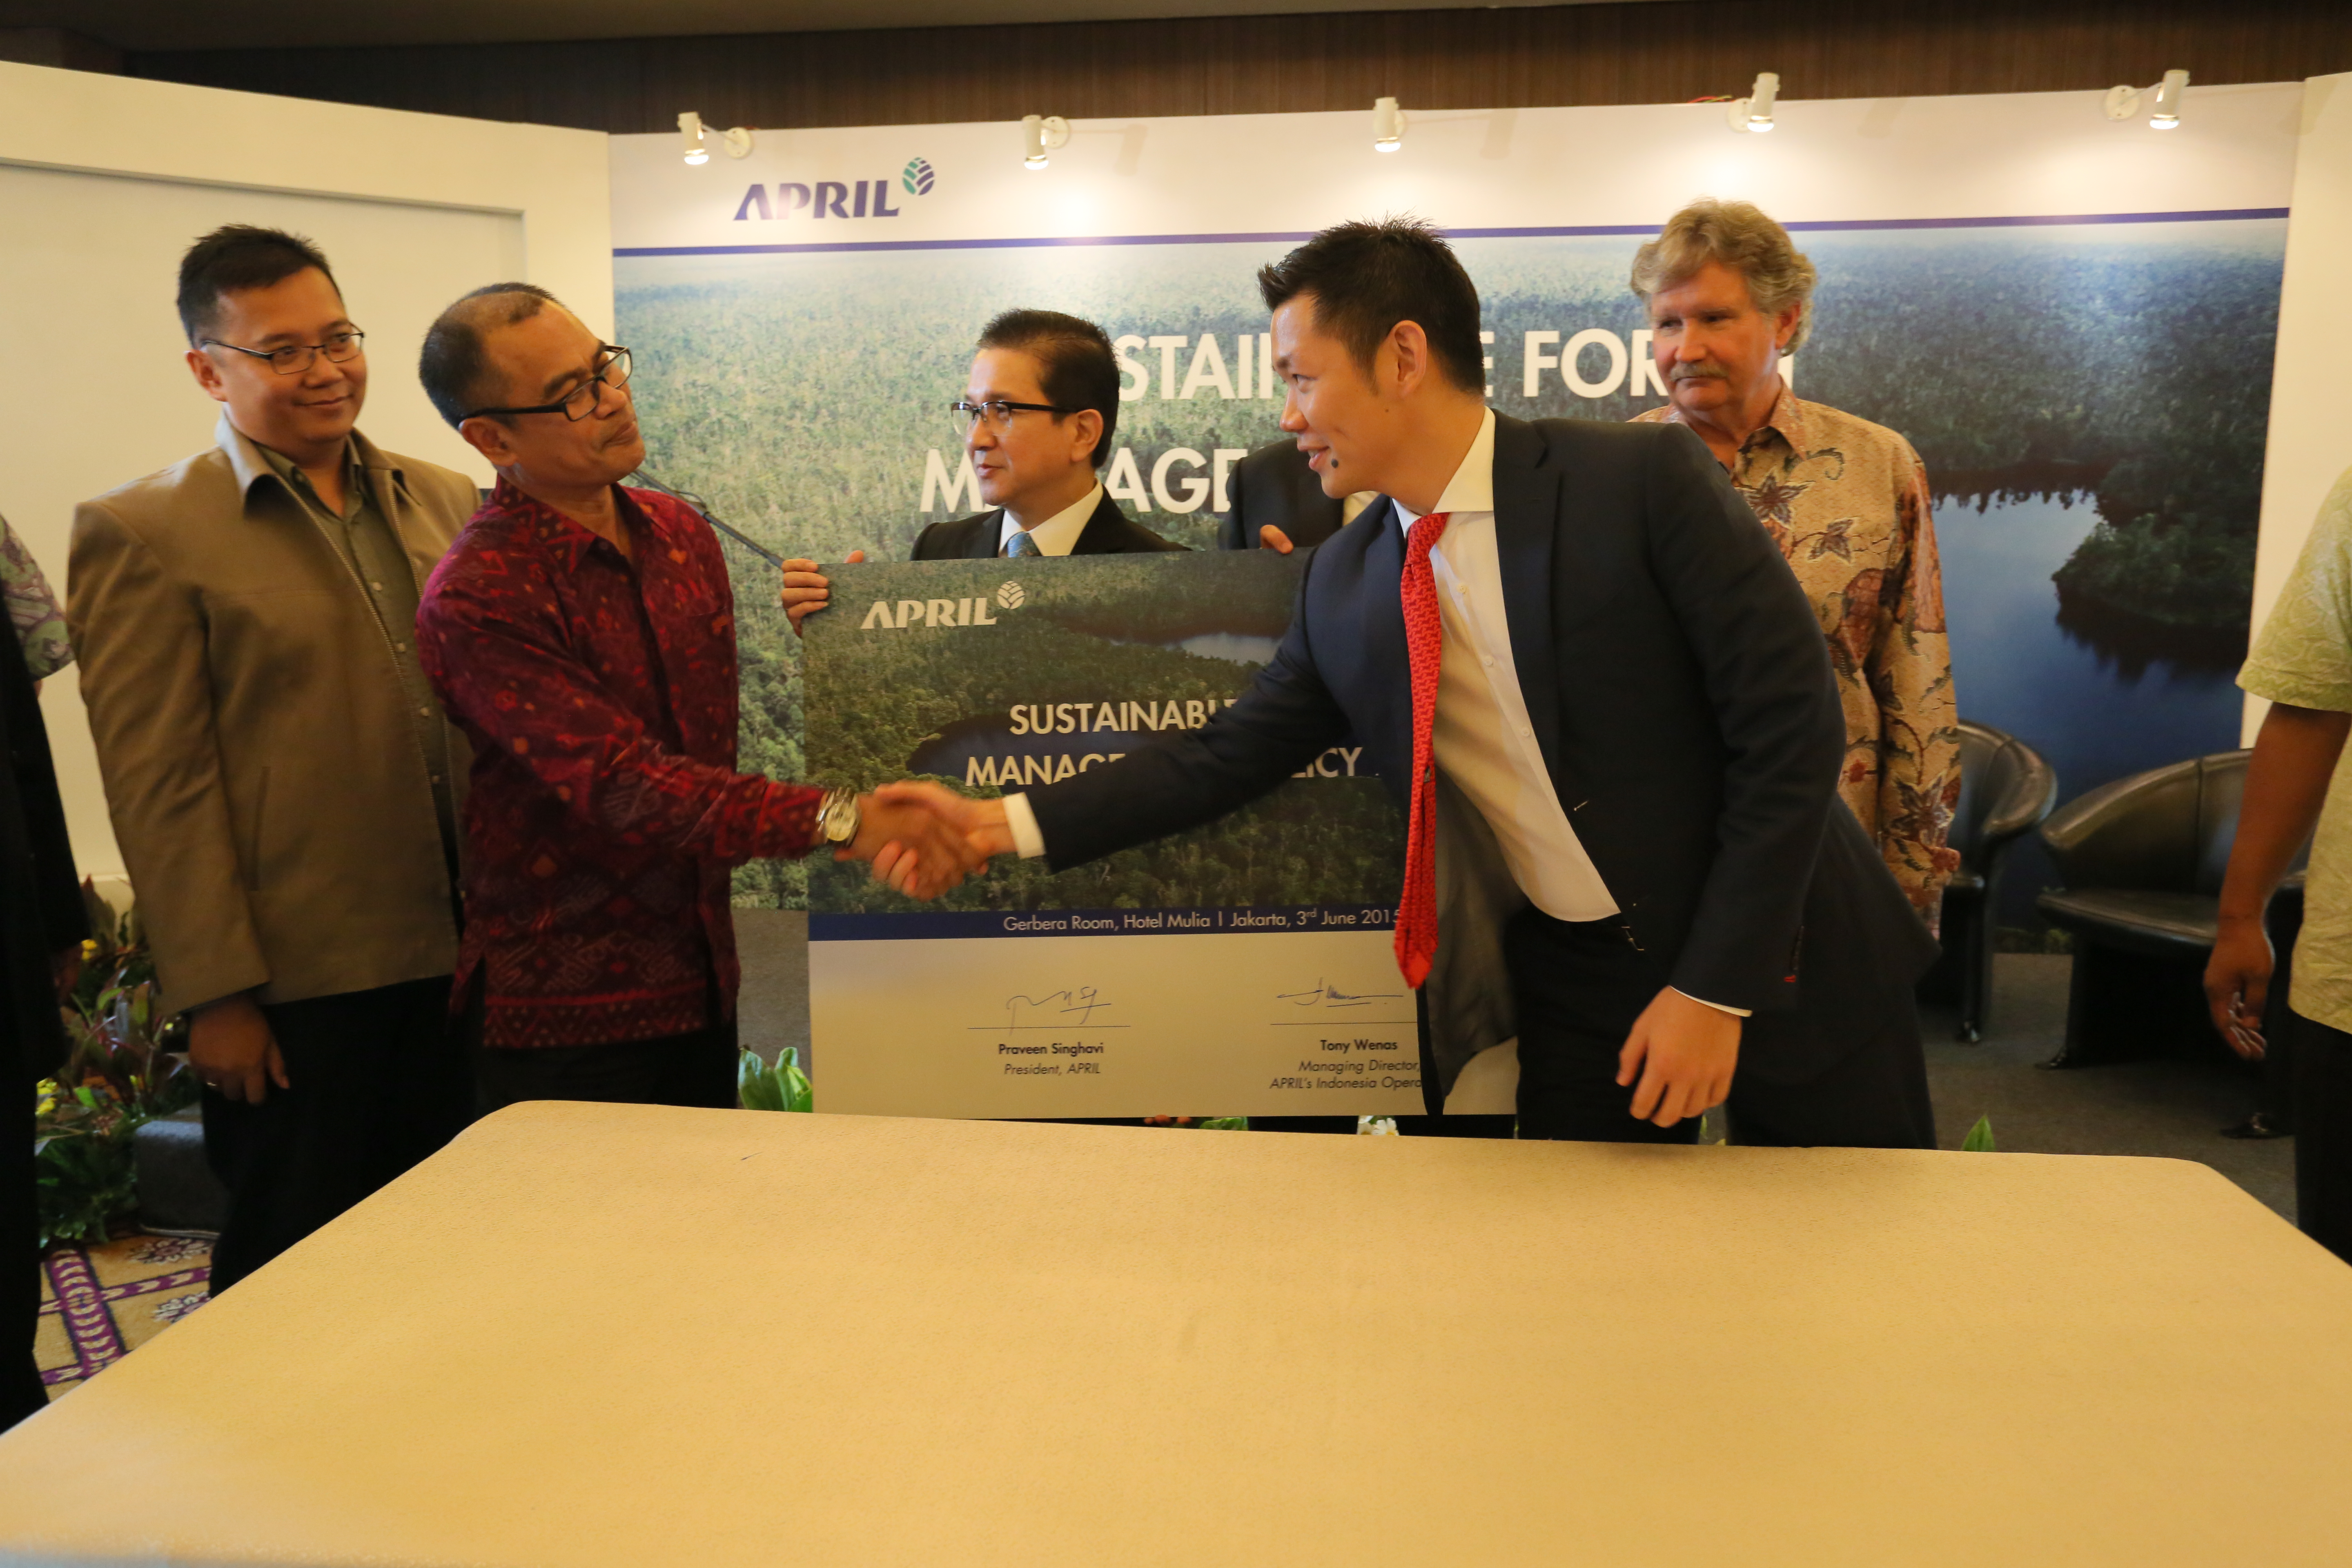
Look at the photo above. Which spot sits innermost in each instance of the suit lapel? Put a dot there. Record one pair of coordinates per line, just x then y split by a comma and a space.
1101, 534
1526, 523
985, 528
1383, 624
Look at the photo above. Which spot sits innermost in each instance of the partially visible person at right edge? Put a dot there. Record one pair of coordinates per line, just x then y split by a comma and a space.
282, 780
42, 924
2303, 663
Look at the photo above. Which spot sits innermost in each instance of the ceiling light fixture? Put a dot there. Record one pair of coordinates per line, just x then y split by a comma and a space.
1388, 126
2123, 102
737, 140
1753, 113
1040, 134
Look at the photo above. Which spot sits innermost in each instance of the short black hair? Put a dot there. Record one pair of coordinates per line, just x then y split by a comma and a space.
1077, 368
1365, 278
234, 258
452, 364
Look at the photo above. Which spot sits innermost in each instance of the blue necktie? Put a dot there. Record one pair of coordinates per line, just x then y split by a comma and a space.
1020, 544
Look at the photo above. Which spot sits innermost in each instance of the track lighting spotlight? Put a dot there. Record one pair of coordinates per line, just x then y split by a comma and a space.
1388, 126
1040, 134
1753, 113
2123, 102
737, 140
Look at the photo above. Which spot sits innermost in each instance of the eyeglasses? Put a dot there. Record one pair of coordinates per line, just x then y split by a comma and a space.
611, 369
998, 412
340, 348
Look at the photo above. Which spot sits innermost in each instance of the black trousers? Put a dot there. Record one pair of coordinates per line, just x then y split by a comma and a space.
21, 1393
1580, 987
696, 1068
378, 1082
2323, 1134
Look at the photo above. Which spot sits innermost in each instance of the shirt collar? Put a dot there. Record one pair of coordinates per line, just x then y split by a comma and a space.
567, 538
1472, 487
1058, 534
249, 461
1787, 420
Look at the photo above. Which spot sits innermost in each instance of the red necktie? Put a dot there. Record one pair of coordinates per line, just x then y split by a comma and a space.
1424, 639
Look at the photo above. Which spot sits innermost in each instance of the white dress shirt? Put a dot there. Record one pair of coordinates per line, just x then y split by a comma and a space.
1058, 534
1481, 733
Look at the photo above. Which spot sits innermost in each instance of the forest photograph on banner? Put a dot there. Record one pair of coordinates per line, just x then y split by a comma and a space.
2089, 388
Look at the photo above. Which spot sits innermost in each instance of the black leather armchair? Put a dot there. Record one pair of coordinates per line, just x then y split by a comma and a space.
2141, 861
2006, 789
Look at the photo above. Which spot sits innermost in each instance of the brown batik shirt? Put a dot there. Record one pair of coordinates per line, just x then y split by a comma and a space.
1847, 503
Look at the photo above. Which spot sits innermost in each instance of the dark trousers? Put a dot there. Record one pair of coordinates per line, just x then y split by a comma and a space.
21, 1393
378, 1081
696, 1068
1580, 987
2322, 1135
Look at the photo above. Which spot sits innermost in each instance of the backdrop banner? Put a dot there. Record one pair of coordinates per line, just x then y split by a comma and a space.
2072, 317
1243, 968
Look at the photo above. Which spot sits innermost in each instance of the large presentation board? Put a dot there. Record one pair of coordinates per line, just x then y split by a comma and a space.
2071, 317
1243, 968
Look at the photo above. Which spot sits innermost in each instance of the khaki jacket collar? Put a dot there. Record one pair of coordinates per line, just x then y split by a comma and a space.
385, 474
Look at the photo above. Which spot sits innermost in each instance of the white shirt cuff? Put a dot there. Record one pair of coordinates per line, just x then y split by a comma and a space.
1735, 1011
1026, 839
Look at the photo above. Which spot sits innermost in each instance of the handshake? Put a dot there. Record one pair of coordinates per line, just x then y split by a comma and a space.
923, 838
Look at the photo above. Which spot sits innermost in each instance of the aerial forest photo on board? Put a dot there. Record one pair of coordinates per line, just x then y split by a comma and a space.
993, 674
2090, 400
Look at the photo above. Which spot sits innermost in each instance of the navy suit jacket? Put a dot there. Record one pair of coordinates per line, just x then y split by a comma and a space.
1109, 532
1275, 485
1681, 691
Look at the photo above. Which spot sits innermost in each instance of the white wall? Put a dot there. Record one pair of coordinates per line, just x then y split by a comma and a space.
105, 180
2311, 436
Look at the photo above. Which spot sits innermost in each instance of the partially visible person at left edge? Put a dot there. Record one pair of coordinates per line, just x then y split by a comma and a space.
281, 783
42, 924
1731, 297
583, 634
33, 609
2297, 780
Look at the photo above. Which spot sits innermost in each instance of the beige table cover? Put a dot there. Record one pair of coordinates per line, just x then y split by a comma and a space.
608, 1335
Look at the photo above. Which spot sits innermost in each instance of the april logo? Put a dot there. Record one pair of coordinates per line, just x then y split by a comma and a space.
1010, 595
834, 199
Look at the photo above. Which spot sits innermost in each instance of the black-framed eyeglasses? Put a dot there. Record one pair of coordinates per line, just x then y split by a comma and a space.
611, 369
340, 348
998, 412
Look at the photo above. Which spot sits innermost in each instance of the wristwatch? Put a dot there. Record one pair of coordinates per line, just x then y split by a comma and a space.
837, 816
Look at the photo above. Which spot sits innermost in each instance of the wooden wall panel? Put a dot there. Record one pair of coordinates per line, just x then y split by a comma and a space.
1650, 53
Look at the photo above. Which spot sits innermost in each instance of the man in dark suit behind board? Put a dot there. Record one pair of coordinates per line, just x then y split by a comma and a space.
1037, 417
1581, 664
1274, 488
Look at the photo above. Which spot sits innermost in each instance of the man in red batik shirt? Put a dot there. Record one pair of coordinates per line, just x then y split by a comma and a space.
584, 637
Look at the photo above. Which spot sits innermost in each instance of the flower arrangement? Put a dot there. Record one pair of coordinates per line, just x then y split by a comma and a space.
118, 1075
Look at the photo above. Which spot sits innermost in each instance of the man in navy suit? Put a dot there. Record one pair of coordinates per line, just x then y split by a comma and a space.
1585, 669
1279, 504
1037, 417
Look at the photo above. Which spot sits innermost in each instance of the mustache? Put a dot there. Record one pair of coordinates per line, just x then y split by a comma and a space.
1704, 369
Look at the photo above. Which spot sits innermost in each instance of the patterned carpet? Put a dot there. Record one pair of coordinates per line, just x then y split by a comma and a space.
100, 1303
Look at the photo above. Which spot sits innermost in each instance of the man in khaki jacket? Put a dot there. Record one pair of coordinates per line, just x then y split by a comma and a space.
282, 780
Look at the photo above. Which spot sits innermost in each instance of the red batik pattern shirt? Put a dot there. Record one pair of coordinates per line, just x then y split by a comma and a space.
605, 811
